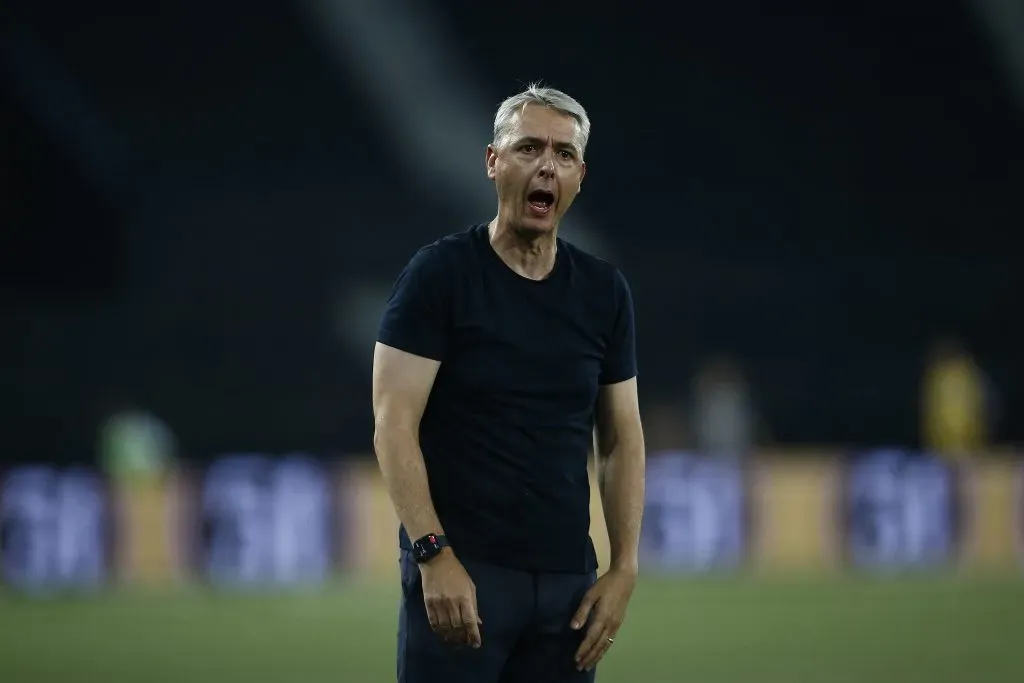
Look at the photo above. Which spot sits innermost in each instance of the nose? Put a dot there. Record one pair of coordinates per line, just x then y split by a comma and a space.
547, 165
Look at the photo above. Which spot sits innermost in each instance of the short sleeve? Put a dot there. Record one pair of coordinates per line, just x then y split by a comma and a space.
416, 313
620, 355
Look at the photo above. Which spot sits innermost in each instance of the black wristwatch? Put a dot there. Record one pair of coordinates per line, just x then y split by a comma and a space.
428, 547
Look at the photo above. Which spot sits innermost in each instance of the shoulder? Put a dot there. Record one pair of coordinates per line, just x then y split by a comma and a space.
448, 250
595, 271
439, 259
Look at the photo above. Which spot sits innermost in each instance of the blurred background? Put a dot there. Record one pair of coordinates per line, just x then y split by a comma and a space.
204, 205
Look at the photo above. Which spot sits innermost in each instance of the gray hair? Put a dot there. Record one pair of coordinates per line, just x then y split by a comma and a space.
546, 97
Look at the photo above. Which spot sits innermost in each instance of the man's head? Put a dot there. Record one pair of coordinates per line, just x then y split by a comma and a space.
536, 158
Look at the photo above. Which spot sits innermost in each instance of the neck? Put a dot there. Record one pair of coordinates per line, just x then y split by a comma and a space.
529, 254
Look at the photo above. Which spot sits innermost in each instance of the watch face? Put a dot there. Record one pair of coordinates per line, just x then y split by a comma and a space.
426, 547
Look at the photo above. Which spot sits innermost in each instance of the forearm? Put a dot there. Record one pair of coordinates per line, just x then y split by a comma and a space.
401, 464
621, 482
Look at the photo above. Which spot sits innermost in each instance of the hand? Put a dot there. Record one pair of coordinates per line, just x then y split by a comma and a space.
605, 605
450, 598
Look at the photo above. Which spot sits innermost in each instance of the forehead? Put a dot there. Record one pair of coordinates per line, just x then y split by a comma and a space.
543, 122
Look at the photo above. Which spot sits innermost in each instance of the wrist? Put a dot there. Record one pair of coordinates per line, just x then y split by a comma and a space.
444, 554
630, 566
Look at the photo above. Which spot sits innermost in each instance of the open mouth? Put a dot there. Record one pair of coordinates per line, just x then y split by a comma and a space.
541, 201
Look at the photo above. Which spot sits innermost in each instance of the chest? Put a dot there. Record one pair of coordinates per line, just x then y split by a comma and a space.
538, 342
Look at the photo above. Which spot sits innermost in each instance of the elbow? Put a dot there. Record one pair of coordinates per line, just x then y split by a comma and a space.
630, 449
388, 438
381, 437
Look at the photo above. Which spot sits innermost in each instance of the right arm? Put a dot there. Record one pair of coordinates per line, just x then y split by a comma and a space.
401, 384
410, 348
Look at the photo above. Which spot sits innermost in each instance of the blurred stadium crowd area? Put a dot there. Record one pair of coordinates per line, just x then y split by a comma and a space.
202, 210
766, 563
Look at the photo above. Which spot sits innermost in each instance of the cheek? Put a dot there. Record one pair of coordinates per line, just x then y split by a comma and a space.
508, 189
511, 180
570, 183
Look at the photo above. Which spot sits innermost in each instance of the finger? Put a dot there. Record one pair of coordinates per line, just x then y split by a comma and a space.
472, 624
594, 645
458, 625
459, 637
433, 617
583, 612
597, 653
593, 638
454, 610
444, 621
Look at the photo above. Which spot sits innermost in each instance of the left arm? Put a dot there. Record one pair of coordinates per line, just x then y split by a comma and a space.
620, 455
619, 449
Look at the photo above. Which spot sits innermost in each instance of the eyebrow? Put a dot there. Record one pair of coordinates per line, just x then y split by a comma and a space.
530, 140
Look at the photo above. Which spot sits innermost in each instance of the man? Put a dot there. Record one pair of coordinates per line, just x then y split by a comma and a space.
504, 353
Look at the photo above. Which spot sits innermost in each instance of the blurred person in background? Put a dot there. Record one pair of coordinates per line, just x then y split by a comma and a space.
504, 354
135, 444
724, 422
138, 449
956, 398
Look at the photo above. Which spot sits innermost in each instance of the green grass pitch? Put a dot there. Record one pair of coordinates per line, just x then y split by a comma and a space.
711, 630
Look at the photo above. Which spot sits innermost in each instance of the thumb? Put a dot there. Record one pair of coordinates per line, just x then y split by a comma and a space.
583, 612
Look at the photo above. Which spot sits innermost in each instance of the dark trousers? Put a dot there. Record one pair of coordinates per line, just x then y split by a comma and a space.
525, 631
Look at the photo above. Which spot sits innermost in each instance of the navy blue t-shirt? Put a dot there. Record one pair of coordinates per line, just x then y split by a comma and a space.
509, 423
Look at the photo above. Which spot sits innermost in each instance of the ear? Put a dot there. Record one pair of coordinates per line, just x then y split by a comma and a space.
490, 161
583, 173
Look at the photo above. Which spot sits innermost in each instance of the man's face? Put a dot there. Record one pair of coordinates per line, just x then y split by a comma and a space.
537, 169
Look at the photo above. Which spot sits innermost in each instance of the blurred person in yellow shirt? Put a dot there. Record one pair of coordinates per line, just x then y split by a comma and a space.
954, 406
138, 449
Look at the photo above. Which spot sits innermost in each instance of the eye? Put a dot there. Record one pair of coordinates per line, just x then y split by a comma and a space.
566, 154
529, 148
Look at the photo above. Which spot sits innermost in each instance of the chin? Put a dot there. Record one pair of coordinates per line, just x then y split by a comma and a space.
538, 226
529, 231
